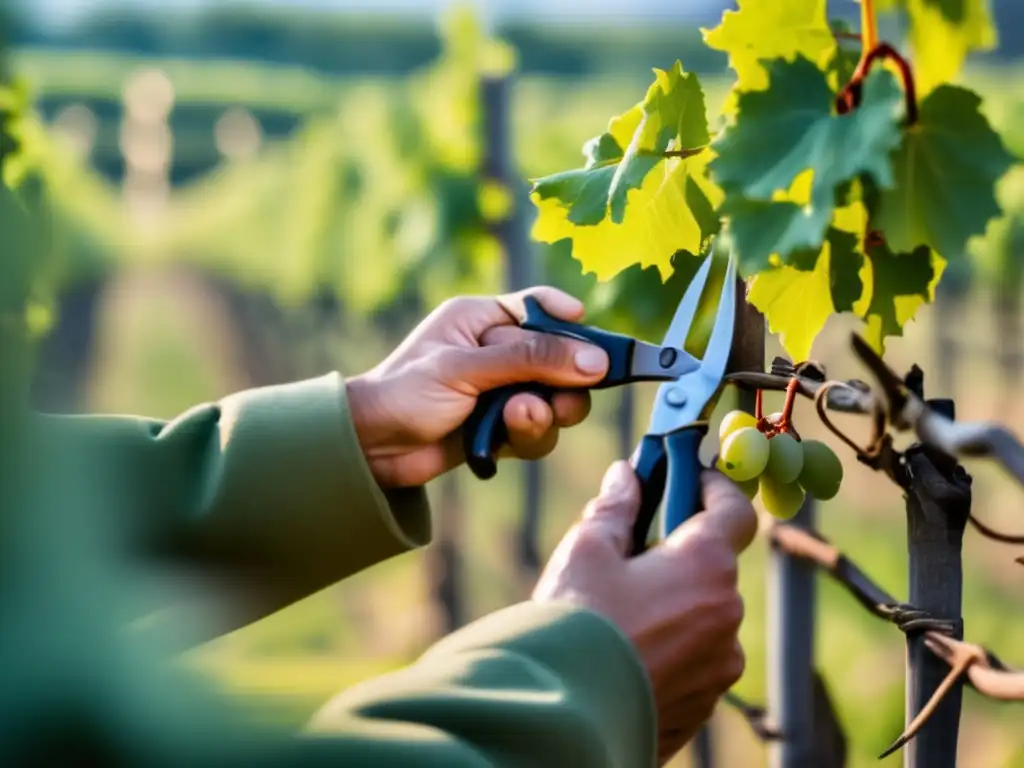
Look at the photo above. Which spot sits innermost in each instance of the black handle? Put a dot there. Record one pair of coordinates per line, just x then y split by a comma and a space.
650, 463
684, 495
668, 468
618, 347
484, 432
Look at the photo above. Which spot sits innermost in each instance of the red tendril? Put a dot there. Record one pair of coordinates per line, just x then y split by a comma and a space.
784, 425
849, 97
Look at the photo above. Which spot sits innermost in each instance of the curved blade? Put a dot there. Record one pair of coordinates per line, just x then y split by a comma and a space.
693, 395
675, 336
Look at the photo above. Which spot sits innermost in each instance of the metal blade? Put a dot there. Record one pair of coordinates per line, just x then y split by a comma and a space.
675, 336
689, 398
716, 357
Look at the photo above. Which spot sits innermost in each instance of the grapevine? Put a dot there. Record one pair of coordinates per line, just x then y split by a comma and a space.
766, 456
847, 179
844, 172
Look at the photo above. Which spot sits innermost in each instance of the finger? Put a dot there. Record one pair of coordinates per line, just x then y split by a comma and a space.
503, 334
464, 318
513, 334
727, 514
614, 510
531, 430
731, 511
570, 408
555, 302
469, 317
547, 359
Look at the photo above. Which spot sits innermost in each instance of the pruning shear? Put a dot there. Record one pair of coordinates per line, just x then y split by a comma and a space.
666, 460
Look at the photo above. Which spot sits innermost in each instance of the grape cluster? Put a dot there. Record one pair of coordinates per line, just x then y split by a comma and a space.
765, 456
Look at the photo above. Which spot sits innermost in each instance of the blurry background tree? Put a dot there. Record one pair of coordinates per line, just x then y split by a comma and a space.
248, 194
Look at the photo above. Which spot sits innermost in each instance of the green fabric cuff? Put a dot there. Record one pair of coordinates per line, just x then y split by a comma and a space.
296, 476
596, 661
405, 512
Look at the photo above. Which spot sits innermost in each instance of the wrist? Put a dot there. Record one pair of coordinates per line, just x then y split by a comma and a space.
369, 418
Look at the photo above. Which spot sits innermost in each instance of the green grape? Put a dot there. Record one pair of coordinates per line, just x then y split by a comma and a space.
785, 458
733, 421
744, 454
749, 488
781, 500
822, 472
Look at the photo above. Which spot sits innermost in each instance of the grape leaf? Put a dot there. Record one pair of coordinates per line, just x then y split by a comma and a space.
636, 301
797, 303
672, 210
846, 263
671, 117
946, 170
584, 192
942, 34
781, 132
897, 279
790, 130
761, 30
675, 118
762, 229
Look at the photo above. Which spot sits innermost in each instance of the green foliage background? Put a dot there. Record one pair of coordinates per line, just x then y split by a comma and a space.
370, 194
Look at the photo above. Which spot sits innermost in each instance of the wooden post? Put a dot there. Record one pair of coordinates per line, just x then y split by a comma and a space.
747, 355
950, 295
791, 603
938, 502
513, 233
791, 676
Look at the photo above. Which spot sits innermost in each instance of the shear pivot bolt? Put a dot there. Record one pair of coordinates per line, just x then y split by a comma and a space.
676, 397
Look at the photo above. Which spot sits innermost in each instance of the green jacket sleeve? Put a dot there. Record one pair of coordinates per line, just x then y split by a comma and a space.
532, 685
266, 491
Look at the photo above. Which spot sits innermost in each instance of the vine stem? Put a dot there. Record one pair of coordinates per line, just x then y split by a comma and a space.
868, 28
849, 97
787, 407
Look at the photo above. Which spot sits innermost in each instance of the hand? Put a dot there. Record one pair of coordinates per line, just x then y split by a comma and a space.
678, 602
408, 410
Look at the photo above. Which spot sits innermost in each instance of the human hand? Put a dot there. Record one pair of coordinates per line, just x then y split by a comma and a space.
678, 602
409, 409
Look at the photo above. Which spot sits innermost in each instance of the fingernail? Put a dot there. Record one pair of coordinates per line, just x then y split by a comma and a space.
616, 479
591, 359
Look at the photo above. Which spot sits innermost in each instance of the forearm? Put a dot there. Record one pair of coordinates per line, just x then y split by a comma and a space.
262, 498
536, 684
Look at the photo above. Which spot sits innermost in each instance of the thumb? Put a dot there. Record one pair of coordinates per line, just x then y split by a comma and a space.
612, 513
530, 357
727, 514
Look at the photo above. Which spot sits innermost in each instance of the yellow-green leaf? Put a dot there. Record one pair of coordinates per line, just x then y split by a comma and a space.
897, 286
761, 30
668, 213
941, 44
797, 303
671, 118
631, 204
